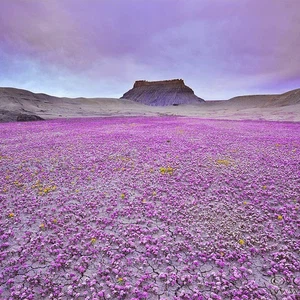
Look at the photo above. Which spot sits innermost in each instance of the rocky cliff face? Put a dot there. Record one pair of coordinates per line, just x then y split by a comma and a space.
162, 93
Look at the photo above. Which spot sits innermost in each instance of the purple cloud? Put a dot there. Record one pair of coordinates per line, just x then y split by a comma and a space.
221, 48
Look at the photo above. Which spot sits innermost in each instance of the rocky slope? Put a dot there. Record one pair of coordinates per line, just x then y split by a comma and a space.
277, 100
13, 116
162, 93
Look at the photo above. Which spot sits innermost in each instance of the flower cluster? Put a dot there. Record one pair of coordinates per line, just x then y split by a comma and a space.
149, 208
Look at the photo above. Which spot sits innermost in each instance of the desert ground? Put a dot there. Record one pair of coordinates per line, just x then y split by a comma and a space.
149, 208
285, 107
111, 199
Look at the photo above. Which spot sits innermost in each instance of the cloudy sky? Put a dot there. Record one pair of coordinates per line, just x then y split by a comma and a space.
98, 48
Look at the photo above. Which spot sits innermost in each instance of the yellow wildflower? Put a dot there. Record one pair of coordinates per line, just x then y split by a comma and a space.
170, 170
225, 162
93, 240
162, 170
46, 190
241, 242
279, 217
11, 215
122, 196
42, 226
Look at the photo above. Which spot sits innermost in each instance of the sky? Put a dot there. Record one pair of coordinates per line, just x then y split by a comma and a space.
98, 48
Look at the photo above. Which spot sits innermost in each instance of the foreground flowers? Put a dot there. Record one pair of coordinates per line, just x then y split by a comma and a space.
170, 208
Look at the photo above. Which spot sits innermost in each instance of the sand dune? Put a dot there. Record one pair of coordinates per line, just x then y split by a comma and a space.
15, 102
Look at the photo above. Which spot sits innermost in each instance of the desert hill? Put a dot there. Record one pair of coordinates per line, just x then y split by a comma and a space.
279, 100
22, 105
15, 103
162, 93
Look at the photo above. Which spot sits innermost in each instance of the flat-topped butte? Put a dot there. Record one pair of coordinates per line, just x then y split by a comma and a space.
162, 93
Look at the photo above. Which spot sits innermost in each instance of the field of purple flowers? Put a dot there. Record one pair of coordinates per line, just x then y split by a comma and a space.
150, 208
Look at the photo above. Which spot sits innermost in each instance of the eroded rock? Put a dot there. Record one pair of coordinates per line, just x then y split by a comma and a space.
162, 93
26, 118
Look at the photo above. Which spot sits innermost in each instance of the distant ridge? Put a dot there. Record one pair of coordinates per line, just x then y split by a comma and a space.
22, 105
162, 93
275, 100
